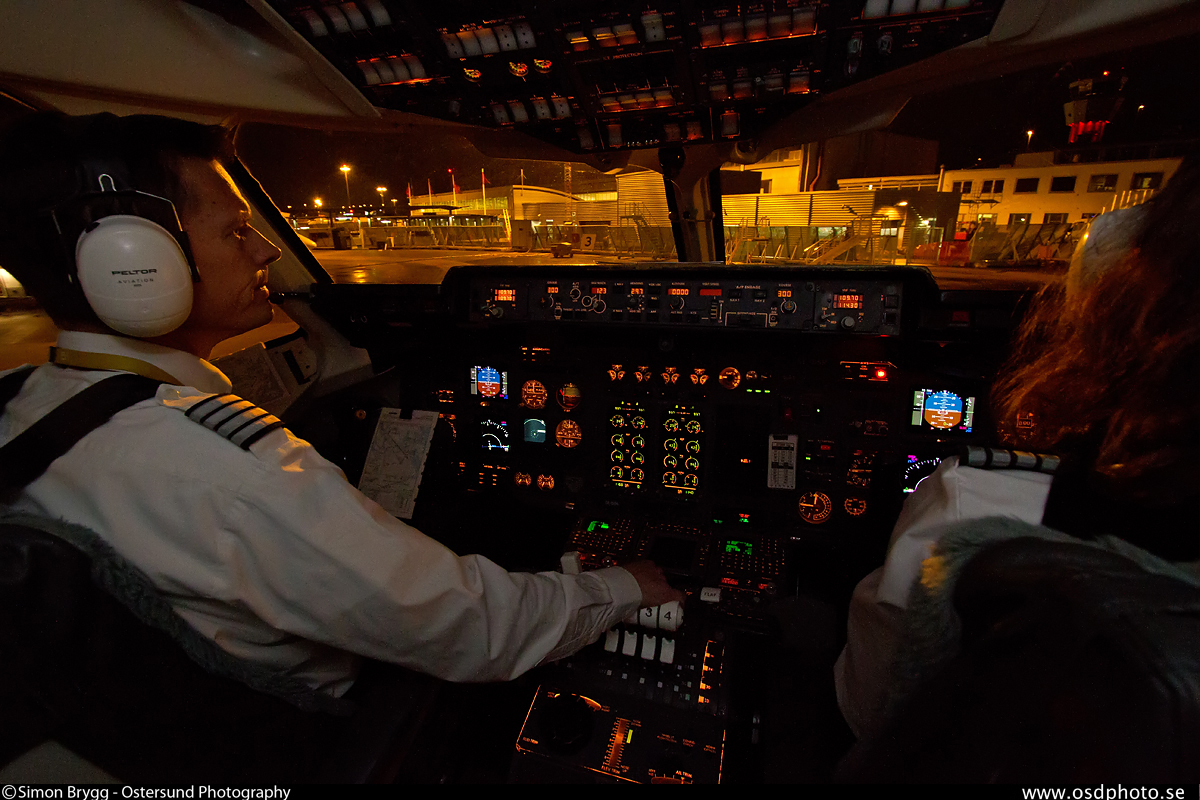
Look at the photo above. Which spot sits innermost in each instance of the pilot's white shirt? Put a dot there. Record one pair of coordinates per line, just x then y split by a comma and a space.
950, 494
272, 554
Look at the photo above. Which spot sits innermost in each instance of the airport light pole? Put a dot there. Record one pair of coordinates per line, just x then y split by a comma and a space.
382, 191
345, 168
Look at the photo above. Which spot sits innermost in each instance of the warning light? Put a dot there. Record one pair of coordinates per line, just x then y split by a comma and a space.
881, 374
744, 460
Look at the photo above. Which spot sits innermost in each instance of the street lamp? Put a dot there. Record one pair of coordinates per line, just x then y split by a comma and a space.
382, 191
1028, 139
345, 168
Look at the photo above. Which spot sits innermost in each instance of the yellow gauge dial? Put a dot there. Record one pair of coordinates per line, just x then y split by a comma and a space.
815, 507
533, 394
729, 378
855, 506
568, 434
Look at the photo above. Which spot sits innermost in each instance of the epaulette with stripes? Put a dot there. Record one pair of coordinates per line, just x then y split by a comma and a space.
996, 458
238, 420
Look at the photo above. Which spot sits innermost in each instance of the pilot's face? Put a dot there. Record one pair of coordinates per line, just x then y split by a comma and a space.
231, 256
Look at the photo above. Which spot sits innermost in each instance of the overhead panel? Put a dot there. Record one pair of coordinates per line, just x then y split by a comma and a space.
591, 77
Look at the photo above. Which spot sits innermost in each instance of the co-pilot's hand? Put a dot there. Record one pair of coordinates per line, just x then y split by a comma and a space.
652, 582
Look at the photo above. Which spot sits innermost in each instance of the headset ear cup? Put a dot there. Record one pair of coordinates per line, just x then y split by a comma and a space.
134, 275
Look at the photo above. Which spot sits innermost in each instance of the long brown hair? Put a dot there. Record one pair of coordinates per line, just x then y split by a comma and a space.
1116, 366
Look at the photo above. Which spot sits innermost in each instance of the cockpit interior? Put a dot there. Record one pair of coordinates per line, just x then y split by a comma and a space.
753, 428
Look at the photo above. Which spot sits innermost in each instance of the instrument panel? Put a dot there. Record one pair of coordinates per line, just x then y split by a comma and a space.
755, 462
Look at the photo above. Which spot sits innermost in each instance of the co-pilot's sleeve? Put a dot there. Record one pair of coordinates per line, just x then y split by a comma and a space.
951, 494
316, 558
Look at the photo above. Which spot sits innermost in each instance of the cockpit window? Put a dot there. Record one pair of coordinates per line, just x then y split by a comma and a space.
404, 207
989, 186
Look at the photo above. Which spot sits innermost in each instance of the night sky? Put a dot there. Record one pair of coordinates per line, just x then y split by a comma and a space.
980, 125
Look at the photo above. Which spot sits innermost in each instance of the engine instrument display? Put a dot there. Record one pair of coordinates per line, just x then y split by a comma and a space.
942, 410
489, 382
682, 428
627, 459
533, 395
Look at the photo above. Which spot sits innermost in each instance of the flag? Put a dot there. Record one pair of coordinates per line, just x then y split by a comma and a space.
483, 177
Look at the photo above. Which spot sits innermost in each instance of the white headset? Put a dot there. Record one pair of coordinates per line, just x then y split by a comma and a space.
134, 272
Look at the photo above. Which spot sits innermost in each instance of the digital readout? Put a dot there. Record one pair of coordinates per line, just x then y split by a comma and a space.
599, 290
636, 290
710, 292
847, 301
785, 292
551, 290
678, 291
505, 296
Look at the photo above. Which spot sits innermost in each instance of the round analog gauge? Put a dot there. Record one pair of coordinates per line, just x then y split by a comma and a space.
729, 377
567, 434
815, 507
545, 482
638, 423
671, 444
691, 481
523, 479
617, 420
671, 424
691, 464
636, 474
670, 462
638, 458
618, 439
618, 455
669, 478
693, 446
639, 442
533, 394
615, 473
693, 426
569, 396
855, 506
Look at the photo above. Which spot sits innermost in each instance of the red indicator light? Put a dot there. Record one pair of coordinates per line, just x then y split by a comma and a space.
881, 374
744, 460
710, 292
729, 581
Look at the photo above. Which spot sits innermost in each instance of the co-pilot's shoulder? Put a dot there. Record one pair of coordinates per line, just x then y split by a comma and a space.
232, 418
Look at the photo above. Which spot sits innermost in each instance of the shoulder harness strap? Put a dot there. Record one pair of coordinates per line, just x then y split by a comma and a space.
26, 457
996, 458
238, 420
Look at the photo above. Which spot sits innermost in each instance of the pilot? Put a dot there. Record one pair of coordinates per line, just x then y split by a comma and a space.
256, 541
1103, 375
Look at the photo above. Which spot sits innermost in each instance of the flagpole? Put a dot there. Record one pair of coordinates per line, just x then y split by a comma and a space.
483, 188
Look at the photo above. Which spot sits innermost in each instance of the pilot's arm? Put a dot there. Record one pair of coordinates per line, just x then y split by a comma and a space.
318, 559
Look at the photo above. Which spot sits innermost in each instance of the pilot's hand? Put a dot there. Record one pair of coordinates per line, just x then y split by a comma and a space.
652, 582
